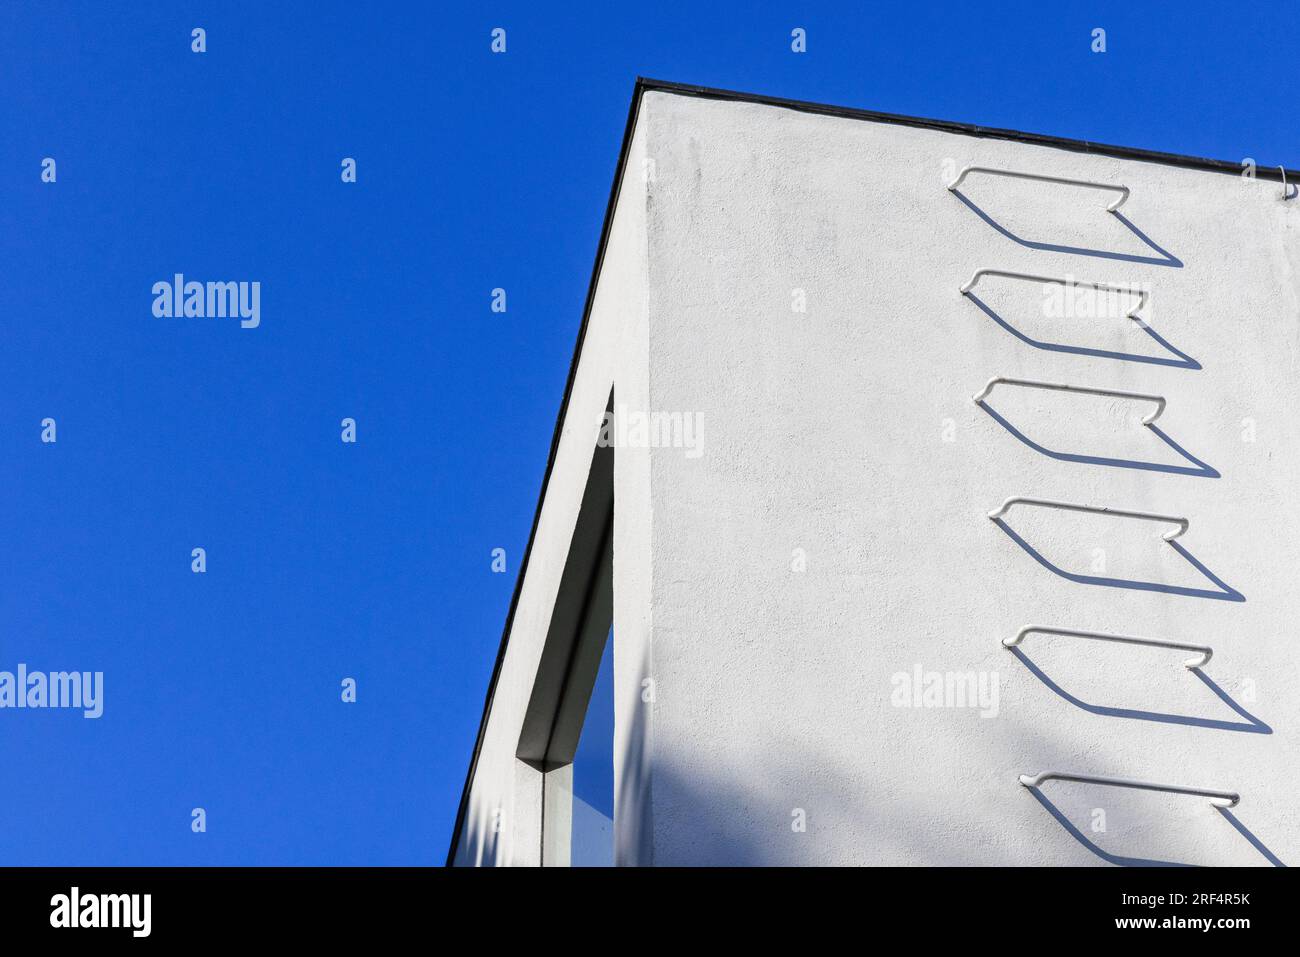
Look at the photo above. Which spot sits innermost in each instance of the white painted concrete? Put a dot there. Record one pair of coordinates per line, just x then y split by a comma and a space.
826, 432
503, 823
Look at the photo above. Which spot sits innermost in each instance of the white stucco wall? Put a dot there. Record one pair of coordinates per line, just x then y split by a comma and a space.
825, 432
848, 432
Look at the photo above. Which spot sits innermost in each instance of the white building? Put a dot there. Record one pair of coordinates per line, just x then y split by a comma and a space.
791, 520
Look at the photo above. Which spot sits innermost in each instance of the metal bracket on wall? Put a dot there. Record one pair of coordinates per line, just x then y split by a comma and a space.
1182, 523
1217, 798
1204, 652
1159, 400
1142, 294
1015, 174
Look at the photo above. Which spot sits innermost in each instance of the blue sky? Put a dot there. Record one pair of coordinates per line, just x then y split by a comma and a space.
372, 560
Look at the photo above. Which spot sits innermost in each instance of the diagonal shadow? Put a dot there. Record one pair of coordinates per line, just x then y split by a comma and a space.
1251, 725
1182, 360
1079, 836
1164, 257
1254, 841
1198, 468
1225, 592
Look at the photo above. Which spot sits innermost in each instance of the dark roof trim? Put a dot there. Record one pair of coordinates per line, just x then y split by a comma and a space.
966, 129
644, 85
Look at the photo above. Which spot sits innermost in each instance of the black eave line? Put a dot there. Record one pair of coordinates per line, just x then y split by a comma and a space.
967, 129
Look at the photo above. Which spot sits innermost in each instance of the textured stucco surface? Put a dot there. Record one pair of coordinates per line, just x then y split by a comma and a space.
848, 432
825, 432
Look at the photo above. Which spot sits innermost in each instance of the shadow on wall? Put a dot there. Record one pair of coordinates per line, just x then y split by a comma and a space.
1251, 725
725, 821
480, 842
1122, 861
720, 820
1181, 359
634, 832
1254, 841
1198, 468
1082, 838
745, 819
1163, 258
1221, 592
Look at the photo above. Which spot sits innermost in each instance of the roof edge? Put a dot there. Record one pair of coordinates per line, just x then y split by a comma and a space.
645, 84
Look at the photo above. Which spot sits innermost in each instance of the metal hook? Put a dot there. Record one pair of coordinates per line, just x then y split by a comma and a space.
1159, 400
1203, 652
1109, 187
1180, 523
1141, 294
1217, 798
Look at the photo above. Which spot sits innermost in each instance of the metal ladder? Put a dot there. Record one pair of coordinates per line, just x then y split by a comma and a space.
1218, 797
